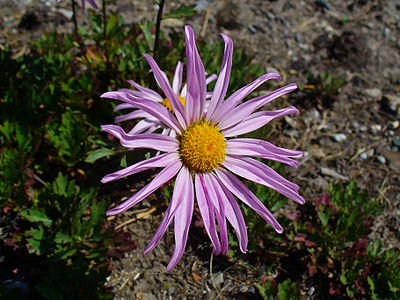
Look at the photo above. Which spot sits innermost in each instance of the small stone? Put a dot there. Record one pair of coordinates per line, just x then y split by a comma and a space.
386, 32
363, 155
375, 128
271, 70
396, 141
322, 3
252, 29
374, 93
218, 278
243, 289
393, 158
395, 124
311, 291
381, 159
292, 133
363, 128
391, 103
314, 115
340, 137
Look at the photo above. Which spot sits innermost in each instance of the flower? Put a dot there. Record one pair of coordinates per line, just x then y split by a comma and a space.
149, 124
91, 2
205, 154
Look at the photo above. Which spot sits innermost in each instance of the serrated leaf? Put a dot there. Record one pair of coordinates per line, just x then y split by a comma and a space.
37, 234
97, 154
60, 185
181, 12
35, 244
62, 238
36, 216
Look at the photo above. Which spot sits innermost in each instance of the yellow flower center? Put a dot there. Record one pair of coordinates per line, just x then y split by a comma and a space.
167, 104
202, 147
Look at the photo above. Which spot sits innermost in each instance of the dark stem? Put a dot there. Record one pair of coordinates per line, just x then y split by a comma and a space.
105, 35
158, 26
78, 38
157, 38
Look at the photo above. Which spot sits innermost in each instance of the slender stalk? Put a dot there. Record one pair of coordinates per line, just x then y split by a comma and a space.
105, 35
77, 36
158, 26
157, 38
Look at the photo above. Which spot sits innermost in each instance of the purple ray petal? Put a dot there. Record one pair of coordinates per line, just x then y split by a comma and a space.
233, 213
147, 93
221, 86
240, 94
211, 78
145, 126
160, 112
160, 161
258, 172
207, 212
123, 106
183, 191
91, 2
244, 110
240, 190
182, 220
146, 141
257, 120
169, 93
196, 79
234, 147
134, 115
215, 196
165, 174
269, 147
177, 81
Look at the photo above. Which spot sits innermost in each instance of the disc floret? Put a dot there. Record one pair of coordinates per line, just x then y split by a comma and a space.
202, 147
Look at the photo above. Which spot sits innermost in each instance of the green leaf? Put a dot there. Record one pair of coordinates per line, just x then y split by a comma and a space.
97, 154
372, 287
123, 162
62, 238
181, 12
36, 215
37, 234
60, 185
35, 244
343, 278
323, 217
146, 28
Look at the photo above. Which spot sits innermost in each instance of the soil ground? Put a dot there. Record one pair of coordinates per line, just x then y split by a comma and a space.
352, 136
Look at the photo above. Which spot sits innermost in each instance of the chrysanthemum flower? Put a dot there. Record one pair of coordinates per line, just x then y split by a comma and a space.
91, 2
149, 123
206, 154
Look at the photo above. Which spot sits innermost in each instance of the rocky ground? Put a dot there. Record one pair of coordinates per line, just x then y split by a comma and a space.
352, 136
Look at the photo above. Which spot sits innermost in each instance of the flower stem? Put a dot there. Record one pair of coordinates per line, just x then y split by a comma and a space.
158, 26
105, 35
77, 36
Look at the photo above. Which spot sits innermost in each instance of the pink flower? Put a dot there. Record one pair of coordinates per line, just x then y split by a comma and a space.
149, 124
205, 154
